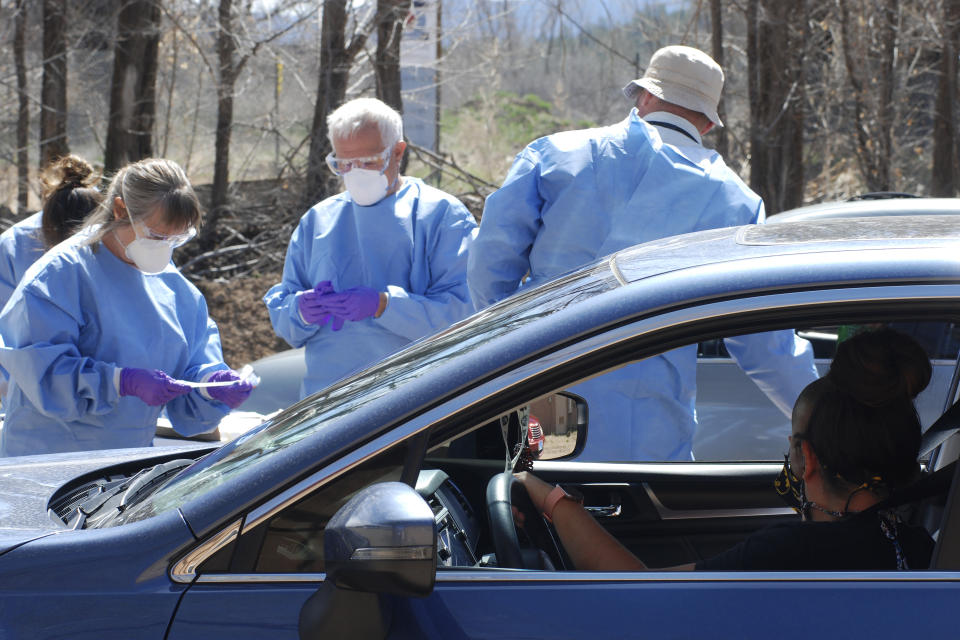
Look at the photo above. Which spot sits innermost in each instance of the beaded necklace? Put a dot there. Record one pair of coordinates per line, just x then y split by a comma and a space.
889, 521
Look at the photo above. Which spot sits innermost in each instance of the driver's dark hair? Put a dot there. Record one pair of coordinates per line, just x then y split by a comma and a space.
863, 425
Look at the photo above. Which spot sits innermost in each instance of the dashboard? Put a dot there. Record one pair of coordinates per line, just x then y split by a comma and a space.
458, 529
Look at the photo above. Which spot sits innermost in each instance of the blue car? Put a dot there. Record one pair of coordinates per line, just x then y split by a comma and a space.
379, 507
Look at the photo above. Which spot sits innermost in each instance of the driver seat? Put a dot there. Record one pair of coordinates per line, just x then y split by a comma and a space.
946, 551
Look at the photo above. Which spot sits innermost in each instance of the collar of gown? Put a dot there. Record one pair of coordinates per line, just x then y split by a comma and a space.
675, 137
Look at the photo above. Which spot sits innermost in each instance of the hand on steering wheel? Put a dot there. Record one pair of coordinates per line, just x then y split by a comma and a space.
501, 491
537, 489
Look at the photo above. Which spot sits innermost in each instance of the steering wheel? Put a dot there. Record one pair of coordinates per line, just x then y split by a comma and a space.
504, 533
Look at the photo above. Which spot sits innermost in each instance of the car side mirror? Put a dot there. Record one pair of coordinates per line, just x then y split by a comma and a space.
556, 425
383, 540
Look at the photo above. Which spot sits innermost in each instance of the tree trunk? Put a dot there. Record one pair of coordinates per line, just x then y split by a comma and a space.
226, 54
23, 110
53, 91
391, 15
943, 183
869, 55
775, 46
888, 44
716, 22
332, 87
757, 148
792, 165
133, 86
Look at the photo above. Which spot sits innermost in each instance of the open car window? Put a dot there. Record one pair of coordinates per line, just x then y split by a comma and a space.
702, 509
735, 419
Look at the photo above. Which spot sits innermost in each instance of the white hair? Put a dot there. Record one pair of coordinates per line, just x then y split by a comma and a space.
347, 119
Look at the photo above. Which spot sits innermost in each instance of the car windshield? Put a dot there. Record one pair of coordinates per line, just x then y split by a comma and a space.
344, 397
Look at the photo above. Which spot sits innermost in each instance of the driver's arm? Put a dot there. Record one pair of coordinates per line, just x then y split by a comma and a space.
589, 545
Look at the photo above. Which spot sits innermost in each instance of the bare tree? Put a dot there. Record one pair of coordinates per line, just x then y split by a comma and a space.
775, 57
229, 67
391, 15
133, 86
753, 79
23, 105
869, 34
716, 24
944, 178
336, 57
53, 92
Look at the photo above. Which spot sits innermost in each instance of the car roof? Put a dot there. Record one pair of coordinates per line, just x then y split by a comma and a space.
826, 239
871, 208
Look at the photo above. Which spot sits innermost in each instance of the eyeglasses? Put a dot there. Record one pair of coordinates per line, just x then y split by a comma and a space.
341, 166
174, 240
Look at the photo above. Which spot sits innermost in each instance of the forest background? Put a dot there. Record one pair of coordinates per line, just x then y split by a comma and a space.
824, 100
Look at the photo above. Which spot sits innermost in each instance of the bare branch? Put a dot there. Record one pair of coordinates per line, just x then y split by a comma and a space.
190, 37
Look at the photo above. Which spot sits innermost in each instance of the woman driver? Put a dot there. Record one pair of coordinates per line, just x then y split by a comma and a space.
856, 437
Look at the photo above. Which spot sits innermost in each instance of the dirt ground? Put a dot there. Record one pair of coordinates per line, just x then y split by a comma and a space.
238, 309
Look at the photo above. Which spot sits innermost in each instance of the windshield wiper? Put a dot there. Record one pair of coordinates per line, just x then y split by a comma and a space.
130, 488
150, 479
78, 517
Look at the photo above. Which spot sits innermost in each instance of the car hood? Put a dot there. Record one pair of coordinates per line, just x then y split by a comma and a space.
28, 482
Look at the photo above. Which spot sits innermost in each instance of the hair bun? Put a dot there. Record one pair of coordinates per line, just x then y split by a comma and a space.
67, 172
879, 367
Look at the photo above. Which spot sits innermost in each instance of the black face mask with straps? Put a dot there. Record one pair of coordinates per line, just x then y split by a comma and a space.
790, 487
792, 490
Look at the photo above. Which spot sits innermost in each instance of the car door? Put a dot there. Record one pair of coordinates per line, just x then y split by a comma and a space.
256, 578
682, 512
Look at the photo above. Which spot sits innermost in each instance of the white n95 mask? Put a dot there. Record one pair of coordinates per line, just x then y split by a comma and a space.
153, 254
366, 186
150, 256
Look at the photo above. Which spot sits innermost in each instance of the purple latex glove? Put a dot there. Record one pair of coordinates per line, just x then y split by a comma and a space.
312, 309
150, 385
356, 303
232, 396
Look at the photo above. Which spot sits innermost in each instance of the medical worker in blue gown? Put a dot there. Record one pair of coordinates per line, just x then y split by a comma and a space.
103, 332
373, 268
69, 195
576, 196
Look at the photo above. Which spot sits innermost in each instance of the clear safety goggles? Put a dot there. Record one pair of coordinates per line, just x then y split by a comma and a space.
174, 240
378, 162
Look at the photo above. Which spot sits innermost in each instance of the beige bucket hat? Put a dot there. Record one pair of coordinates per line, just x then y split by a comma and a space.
684, 76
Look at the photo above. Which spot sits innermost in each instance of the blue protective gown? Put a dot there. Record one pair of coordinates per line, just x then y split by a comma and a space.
412, 244
20, 246
576, 196
75, 319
